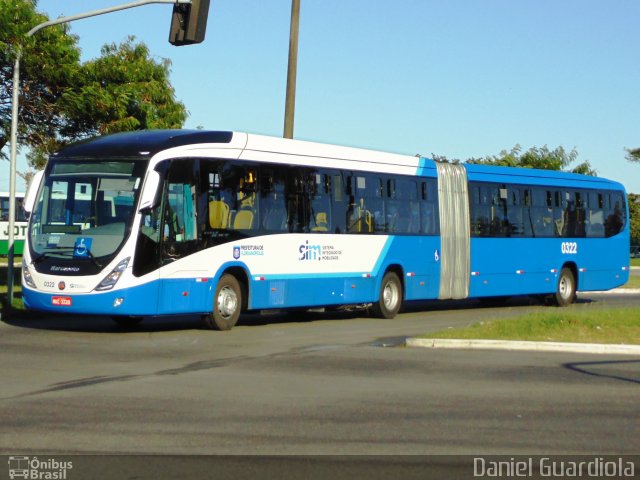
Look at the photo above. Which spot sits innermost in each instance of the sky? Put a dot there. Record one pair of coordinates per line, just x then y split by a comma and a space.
458, 78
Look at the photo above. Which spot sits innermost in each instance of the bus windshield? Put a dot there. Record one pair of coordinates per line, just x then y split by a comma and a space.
85, 209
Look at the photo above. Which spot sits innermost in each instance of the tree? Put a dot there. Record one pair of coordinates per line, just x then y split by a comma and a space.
634, 217
538, 157
633, 155
124, 89
48, 65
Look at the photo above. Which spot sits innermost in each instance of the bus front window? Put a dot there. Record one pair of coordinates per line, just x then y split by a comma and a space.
85, 209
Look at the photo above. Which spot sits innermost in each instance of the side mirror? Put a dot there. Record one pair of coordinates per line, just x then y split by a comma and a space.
32, 192
148, 198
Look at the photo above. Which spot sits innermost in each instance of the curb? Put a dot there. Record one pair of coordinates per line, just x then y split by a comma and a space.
616, 291
598, 348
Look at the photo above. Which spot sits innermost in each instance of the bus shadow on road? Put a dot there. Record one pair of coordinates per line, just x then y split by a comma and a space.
104, 324
151, 324
522, 301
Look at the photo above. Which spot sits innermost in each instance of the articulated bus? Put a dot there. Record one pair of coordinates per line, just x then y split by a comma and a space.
218, 223
19, 226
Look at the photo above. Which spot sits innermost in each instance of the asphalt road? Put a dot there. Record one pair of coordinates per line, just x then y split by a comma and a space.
307, 384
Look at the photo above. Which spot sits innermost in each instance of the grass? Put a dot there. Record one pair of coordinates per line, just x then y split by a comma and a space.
634, 282
17, 290
619, 326
635, 262
5, 260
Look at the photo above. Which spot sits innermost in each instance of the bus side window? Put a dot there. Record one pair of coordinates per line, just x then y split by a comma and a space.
405, 200
527, 217
558, 213
339, 205
429, 215
273, 208
595, 215
541, 213
475, 207
515, 219
499, 226
616, 213
320, 196
297, 215
366, 213
580, 230
214, 200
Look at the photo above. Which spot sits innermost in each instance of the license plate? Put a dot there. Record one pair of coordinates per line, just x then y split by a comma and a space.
61, 301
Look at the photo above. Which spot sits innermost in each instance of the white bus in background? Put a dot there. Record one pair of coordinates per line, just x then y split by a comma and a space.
20, 225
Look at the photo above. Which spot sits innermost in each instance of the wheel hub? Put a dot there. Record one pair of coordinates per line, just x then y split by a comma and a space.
389, 296
227, 302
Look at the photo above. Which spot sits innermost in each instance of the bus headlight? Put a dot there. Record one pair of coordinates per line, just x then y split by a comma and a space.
111, 279
26, 275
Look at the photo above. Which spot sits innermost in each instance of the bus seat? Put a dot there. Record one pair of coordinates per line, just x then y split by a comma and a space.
218, 214
247, 201
321, 223
243, 220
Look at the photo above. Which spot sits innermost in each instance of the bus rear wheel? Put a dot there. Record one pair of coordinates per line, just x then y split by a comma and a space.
390, 298
566, 290
227, 304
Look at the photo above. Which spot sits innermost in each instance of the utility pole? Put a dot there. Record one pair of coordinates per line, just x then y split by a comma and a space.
14, 117
290, 103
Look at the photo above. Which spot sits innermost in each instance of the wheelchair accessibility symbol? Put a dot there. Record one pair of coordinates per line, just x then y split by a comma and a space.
82, 247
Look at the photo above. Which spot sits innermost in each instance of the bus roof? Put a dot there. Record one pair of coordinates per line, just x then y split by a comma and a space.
532, 176
144, 144
140, 143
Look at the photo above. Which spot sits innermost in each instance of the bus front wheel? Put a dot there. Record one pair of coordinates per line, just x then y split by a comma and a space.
390, 299
227, 303
566, 290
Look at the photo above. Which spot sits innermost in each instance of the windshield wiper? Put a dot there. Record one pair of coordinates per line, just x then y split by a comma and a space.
65, 251
56, 249
93, 259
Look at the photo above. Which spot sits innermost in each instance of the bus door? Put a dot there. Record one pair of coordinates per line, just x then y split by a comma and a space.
184, 281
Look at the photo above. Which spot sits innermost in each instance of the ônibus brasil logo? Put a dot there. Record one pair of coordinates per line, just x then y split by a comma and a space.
34, 468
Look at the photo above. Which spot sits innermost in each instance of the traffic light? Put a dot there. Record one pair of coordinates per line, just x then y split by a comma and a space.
189, 22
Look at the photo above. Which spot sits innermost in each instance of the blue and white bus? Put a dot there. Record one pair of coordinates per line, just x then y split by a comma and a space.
218, 223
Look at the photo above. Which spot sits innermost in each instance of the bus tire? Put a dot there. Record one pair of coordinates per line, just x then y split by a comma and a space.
227, 304
566, 289
390, 298
126, 321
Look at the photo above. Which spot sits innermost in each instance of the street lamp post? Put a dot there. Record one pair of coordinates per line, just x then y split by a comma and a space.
14, 119
290, 102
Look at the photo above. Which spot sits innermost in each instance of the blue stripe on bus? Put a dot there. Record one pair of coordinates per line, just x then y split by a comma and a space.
498, 267
426, 168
